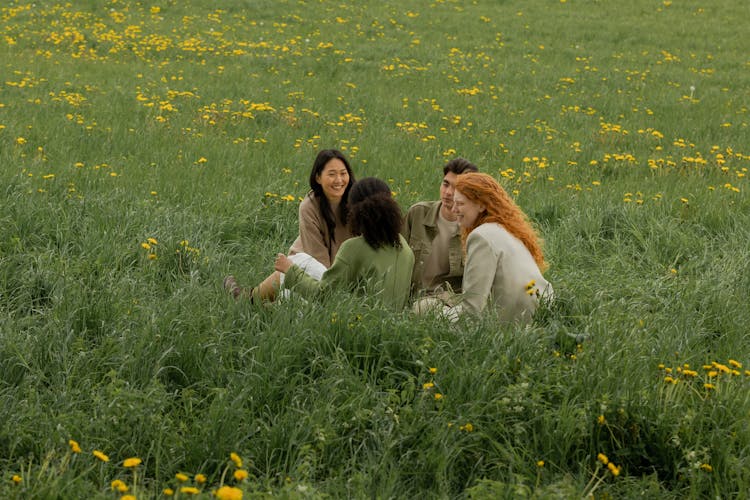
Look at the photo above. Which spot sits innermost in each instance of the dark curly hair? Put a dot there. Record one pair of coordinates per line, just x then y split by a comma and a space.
324, 156
374, 214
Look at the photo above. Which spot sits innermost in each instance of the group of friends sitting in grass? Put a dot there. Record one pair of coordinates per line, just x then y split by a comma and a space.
472, 251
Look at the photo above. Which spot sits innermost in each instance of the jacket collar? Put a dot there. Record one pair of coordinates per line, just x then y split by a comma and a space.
431, 218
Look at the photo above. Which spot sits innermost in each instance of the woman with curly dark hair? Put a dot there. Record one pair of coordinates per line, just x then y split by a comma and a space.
377, 262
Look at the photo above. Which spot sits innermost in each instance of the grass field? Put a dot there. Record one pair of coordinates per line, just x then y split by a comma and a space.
147, 149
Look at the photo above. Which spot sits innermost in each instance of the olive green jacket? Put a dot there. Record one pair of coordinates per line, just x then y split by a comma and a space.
419, 229
381, 274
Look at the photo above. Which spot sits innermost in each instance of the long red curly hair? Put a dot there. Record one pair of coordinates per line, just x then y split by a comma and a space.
500, 208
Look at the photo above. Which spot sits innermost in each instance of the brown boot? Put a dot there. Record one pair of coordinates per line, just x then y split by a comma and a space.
231, 286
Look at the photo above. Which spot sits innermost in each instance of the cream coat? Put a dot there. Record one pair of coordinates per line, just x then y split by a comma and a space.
500, 272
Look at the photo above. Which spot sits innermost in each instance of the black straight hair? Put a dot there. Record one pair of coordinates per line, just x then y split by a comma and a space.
324, 156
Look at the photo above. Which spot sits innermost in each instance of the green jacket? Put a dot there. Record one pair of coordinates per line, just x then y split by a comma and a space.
419, 229
383, 274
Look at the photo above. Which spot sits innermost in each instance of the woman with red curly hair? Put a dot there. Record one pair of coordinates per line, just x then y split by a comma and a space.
504, 259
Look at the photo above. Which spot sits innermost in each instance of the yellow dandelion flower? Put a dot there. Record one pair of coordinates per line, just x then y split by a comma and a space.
200, 478
16, 479
119, 485
240, 474
615, 470
20, 141
228, 493
101, 456
189, 490
131, 462
152, 256
145, 246
722, 368
438, 396
128, 497
735, 364
152, 241
540, 463
236, 459
433, 371
602, 458
601, 420
709, 386
707, 468
168, 492
74, 447
181, 477
427, 386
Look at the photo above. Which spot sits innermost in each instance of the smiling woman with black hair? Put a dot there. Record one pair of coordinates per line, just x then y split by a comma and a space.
322, 225
376, 263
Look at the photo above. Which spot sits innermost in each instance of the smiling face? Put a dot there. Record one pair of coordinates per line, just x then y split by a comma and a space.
467, 212
333, 179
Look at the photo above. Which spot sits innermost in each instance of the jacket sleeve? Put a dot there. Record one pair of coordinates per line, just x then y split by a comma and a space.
407, 223
313, 233
338, 276
479, 273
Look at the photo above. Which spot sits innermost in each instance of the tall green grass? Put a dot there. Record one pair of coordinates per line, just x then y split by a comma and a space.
190, 127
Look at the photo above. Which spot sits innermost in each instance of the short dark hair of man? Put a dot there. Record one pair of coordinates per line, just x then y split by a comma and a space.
459, 165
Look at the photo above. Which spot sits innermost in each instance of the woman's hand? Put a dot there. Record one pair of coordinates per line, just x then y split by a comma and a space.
282, 263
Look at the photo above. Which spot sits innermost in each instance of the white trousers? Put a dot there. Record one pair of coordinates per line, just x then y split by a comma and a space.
309, 264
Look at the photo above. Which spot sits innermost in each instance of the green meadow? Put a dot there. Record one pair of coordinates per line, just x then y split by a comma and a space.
149, 148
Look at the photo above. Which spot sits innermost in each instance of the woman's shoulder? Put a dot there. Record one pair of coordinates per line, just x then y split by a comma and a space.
353, 244
488, 230
492, 233
309, 198
310, 203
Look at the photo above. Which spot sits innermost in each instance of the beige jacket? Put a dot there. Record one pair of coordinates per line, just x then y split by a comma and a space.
500, 272
314, 238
